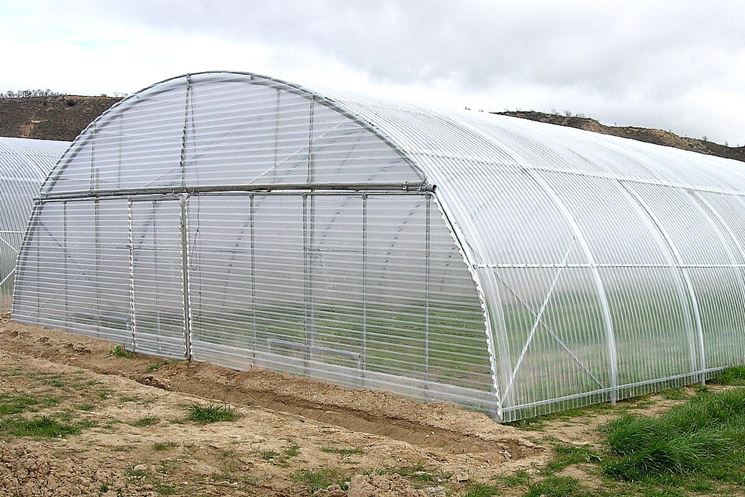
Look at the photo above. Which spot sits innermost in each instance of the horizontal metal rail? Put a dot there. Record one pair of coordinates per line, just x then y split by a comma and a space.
195, 190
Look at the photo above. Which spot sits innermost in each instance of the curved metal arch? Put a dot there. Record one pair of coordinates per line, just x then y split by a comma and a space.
117, 109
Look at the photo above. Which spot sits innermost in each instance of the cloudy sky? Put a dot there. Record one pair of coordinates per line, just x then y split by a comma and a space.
677, 65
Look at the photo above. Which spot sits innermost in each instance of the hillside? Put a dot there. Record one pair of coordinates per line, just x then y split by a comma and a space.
658, 136
50, 118
64, 117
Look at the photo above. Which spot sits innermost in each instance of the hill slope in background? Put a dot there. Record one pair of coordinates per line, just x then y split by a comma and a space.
64, 117
657, 136
50, 118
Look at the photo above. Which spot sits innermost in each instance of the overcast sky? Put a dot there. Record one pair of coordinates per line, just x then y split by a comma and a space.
677, 65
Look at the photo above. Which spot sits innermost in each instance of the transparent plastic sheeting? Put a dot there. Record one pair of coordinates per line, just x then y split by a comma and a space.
24, 164
503, 264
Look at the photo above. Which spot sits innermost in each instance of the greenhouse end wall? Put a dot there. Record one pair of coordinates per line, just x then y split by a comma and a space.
506, 265
24, 164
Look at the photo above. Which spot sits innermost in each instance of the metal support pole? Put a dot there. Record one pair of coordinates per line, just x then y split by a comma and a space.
64, 257
183, 199
306, 285
363, 352
131, 247
251, 220
155, 272
97, 243
427, 249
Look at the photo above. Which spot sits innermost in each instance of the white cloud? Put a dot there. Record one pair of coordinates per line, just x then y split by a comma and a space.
666, 64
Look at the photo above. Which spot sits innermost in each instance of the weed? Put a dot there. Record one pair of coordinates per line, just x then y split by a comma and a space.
320, 479
160, 446
732, 376
120, 351
269, 455
517, 479
154, 366
481, 490
85, 407
103, 488
211, 413
146, 421
291, 450
165, 489
343, 452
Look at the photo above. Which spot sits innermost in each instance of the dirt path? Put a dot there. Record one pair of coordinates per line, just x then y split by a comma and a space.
293, 435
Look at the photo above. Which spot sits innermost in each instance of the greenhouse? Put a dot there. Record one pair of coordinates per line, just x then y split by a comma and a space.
510, 266
24, 164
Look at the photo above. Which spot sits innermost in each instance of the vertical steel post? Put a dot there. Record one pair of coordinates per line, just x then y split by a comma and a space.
363, 353
306, 285
155, 271
65, 241
97, 243
427, 248
183, 199
251, 215
131, 246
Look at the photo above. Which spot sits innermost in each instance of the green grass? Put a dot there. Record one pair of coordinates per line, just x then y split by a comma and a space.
320, 479
120, 351
211, 413
568, 455
674, 394
41, 427
732, 376
154, 366
481, 490
146, 421
161, 446
344, 451
16, 404
701, 439
556, 486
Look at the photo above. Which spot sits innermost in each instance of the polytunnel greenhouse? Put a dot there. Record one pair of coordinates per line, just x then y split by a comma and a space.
24, 164
507, 265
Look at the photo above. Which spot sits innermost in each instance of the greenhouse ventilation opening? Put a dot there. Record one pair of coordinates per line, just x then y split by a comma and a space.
24, 164
506, 265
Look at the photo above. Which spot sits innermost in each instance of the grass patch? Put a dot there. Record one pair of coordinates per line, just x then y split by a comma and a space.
16, 404
556, 486
343, 452
165, 489
520, 478
481, 490
674, 394
42, 427
269, 455
701, 439
732, 376
568, 455
211, 413
161, 446
120, 351
320, 479
146, 421
154, 366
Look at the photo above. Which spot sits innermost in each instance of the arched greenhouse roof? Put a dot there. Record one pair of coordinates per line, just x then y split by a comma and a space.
24, 165
604, 267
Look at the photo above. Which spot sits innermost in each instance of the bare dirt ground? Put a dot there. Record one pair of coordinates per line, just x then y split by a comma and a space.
135, 439
293, 437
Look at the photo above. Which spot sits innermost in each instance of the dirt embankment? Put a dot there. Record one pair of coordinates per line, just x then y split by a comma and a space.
649, 135
294, 436
50, 118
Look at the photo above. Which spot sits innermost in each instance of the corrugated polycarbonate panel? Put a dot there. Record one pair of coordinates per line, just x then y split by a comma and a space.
24, 164
322, 285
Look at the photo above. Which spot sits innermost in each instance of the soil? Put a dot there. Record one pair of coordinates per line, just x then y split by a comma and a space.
136, 439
